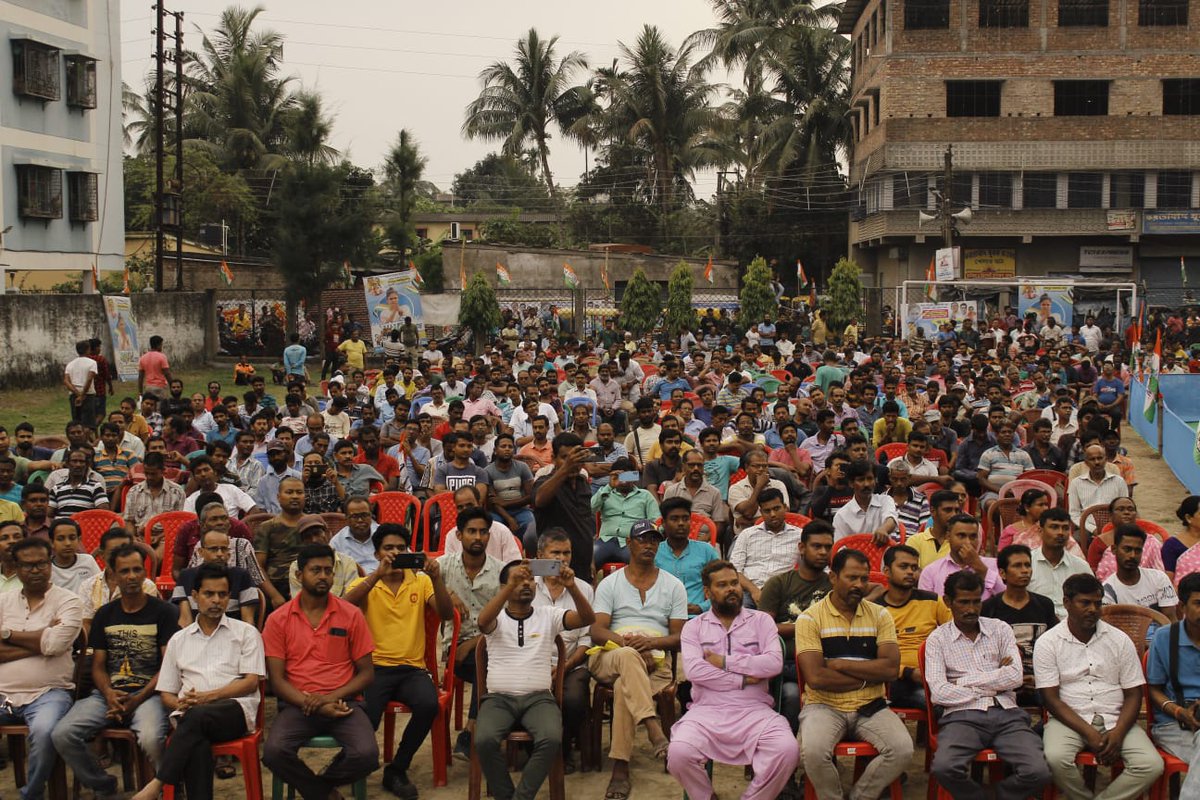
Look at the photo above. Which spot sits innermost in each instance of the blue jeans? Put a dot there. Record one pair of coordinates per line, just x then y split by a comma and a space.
40, 717
609, 551
87, 718
526, 529
1183, 745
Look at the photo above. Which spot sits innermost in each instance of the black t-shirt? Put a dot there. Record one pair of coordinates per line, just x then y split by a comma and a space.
133, 642
242, 591
571, 509
827, 500
657, 472
1028, 623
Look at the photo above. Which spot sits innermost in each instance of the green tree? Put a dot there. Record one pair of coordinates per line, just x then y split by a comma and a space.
521, 100
306, 128
402, 186
845, 296
432, 270
680, 313
756, 300
479, 312
641, 304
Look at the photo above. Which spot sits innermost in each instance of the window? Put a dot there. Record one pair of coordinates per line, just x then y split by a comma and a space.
1080, 13
468, 234
85, 196
995, 189
1162, 12
35, 70
1181, 96
39, 192
910, 190
961, 189
1004, 13
1085, 189
422, 233
1039, 190
973, 98
1080, 98
1174, 190
926, 14
882, 19
1127, 190
81, 81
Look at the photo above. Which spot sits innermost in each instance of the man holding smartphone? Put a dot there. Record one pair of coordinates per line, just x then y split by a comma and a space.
564, 499
393, 599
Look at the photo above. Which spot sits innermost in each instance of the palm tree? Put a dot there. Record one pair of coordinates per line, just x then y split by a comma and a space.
752, 32
307, 129
521, 100
139, 124
402, 185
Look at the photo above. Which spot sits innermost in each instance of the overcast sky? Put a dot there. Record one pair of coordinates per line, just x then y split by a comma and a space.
382, 65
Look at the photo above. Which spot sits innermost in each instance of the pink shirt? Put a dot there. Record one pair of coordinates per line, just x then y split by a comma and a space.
153, 365
782, 456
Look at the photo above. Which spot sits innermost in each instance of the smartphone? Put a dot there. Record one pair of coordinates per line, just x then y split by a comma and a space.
408, 561
545, 567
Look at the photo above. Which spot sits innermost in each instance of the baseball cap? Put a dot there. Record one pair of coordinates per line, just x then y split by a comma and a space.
308, 522
959, 385
933, 416
277, 446
644, 529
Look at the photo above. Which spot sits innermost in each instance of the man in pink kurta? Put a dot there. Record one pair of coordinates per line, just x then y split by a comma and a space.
730, 655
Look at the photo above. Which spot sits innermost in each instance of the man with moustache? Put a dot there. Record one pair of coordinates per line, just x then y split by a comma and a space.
732, 717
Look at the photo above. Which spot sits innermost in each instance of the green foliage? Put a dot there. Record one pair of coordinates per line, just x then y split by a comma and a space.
498, 181
324, 219
641, 304
479, 312
527, 234
845, 296
429, 265
757, 300
210, 195
402, 186
680, 288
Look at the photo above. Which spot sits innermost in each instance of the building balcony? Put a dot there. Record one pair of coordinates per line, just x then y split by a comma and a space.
1024, 224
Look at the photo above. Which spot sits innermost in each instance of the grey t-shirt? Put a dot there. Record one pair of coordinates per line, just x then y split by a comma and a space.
507, 485
454, 478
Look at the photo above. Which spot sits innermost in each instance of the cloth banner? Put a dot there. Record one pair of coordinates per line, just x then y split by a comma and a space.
123, 328
391, 298
1047, 301
928, 317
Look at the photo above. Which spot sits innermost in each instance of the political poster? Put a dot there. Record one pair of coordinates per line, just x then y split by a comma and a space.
123, 328
1047, 301
989, 263
946, 261
929, 317
391, 298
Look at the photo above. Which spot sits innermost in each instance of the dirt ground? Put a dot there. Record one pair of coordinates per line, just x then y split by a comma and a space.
1158, 494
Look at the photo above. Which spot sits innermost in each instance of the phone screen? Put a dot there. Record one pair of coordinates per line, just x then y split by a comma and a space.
409, 561
543, 567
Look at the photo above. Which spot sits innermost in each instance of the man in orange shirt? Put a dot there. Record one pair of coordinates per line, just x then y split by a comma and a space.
538, 453
318, 650
370, 454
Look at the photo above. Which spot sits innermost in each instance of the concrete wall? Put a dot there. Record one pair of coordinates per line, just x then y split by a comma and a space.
39, 331
543, 269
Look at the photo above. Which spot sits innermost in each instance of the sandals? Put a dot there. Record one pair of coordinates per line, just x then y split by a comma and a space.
224, 768
618, 789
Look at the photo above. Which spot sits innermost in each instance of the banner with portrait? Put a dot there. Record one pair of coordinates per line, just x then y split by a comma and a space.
1047, 301
929, 317
123, 328
391, 298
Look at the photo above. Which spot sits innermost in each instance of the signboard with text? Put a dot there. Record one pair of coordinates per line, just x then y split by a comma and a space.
1171, 222
1118, 256
989, 263
946, 263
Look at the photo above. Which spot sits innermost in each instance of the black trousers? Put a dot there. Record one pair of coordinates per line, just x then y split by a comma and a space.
576, 701
413, 687
187, 759
358, 759
465, 671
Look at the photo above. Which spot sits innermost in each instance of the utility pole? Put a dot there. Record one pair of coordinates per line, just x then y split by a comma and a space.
944, 208
168, 195
722, 232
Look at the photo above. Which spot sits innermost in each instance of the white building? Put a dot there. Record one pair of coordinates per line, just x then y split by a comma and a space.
60, 139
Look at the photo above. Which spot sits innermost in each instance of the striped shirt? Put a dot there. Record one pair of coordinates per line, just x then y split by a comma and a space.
195, 661
822, 629
115, 468
966, 675
66, 499
760, 554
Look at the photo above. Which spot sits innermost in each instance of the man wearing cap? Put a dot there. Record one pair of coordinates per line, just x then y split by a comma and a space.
311, 529
641, 610
266, 494
620, 505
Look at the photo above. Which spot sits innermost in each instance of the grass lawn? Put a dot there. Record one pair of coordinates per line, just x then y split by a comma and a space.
47, 408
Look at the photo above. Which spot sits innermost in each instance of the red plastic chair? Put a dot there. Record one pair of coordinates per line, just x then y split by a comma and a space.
929, 488
1053, 477
171, 521
445, 502
1018, 487
799, 520
137, 473
700, 523
938, 457
398, 507
442, 754
865, 544
244, 750
737, 476
879, 578
847, 749
781, 375
92, 525
885, 453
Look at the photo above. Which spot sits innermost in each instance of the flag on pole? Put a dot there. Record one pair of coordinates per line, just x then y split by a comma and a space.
812, 295
462, 264
570, 277
604, 271
801, 278
95, 277
417, 280
125, 281
503, 276
930, 276
1182, 271
708, 270
226, 273
348, 274
1150, 404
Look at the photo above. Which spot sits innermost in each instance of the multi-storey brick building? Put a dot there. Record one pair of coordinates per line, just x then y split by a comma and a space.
1075, 127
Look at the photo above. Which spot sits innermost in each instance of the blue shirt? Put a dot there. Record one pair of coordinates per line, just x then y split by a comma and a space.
266, 494
1109, 391
664, 601
687, 568
665, 387
717, 472
294, 356
1158, 665
880, 400
227, 437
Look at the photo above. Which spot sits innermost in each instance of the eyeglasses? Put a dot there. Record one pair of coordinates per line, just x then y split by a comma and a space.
360, 515
30, 566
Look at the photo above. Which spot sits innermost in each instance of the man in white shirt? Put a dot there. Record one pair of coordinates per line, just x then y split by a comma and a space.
79, 376
767, 549
209, 680
746, 497
237, 502
866, 512
1133, 584
1090, 679
521, 650
354, 541
502, 544
1052, 563
1092, 335
1097, 487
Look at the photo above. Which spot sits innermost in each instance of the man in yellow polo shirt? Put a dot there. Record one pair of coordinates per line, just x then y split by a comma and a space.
354, 350
847, 651
932, 543
394, 602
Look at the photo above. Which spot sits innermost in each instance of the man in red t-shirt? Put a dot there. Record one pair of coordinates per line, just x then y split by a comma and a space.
154, 371
370, 454
318, 650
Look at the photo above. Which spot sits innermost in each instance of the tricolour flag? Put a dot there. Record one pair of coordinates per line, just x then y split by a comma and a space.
226, 273
708, 270
604, 272
930, 276
503, 276
1150, 404
570, 277
801, 278
349, 276
418, 281
95, 277
125, 281
1182, 271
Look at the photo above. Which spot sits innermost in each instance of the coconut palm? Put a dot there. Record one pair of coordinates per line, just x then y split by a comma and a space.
522, 99
307, 129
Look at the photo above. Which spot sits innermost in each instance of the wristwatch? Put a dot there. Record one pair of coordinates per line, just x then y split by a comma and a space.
5, 634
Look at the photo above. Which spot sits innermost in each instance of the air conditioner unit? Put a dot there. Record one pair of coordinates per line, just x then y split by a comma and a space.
455, 233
